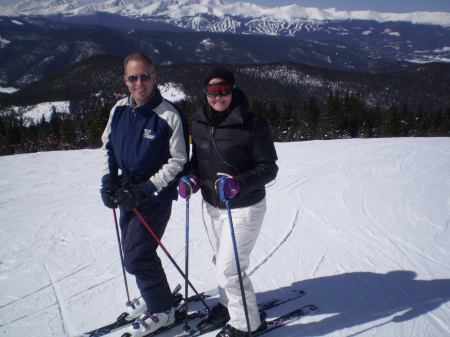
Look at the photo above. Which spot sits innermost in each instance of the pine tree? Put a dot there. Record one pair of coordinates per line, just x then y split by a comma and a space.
258, 107
2, 128
436, 122
81, 133
406, 122
15, 137
272, 118
423, 121
444, 128
309, 116
391, 122
7, 147
371, 123
32, 136
353, 110
96, 125
285, 122
330, 123
67, 134
55, 126
188, 109
44, 134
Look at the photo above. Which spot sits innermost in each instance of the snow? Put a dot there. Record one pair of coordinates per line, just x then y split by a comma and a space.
179, 9
390, 32
34, 113
8, 90
442, 50
362, 225
172, 92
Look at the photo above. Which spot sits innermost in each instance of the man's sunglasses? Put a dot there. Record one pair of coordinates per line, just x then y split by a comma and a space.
219, 88
144, 78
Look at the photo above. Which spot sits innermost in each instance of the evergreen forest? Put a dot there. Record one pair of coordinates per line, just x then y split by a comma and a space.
295, 113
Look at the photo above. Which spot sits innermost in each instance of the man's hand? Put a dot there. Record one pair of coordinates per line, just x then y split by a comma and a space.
131, 197
107, 192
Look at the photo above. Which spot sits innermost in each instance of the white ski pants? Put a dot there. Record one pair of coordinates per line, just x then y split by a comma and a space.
247, 224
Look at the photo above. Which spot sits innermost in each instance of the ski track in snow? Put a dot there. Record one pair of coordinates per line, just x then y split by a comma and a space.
361, 225
59, 302
278, 246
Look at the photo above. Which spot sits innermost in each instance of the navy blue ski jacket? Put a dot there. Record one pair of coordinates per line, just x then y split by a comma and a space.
151, 141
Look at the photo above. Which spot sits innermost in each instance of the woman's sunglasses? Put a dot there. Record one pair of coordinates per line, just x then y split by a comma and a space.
219, 88
143, 77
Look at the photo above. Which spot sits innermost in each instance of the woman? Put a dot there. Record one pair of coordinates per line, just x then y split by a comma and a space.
230, 141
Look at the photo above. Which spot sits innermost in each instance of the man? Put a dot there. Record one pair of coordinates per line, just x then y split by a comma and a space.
146, 139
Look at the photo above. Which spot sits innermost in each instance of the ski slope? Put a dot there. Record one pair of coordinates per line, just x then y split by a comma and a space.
361, 225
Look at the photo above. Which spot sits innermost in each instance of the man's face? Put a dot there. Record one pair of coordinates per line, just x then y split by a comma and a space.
139, 84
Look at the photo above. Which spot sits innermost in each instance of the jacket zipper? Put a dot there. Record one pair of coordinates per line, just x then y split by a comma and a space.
212, 163
132, 126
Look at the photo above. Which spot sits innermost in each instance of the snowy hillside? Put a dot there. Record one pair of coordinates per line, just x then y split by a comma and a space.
361, 225
33, 113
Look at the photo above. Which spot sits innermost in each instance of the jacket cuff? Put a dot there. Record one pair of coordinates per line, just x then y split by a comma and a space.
109, 177
105, 178
149, 188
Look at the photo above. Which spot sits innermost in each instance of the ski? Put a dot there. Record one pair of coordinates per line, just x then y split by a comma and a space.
285, 319
200, 314
180, 315
180, 318
261, 306
272, 324
122, 320
297, 293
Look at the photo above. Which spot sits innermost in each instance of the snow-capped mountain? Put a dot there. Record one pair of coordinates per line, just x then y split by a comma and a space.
32, 44
219, 16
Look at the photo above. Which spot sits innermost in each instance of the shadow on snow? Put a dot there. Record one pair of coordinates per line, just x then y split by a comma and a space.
353, 299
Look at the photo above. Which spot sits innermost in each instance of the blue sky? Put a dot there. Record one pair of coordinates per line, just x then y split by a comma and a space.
385, 6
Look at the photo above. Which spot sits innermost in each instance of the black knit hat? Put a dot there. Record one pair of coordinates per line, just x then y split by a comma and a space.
220, 72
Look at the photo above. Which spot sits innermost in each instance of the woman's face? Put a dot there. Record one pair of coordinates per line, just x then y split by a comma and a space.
219, 102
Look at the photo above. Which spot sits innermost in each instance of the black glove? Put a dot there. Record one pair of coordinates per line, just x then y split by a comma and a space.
131, 197
107, 192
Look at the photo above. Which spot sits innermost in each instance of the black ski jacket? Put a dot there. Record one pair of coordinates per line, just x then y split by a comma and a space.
241, 145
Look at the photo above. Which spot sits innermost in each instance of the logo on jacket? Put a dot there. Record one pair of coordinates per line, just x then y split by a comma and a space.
148, 134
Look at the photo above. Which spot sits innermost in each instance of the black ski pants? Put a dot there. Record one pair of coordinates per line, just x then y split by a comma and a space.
140, 257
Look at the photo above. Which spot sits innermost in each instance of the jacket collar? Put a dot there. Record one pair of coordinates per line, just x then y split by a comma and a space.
150, 105
235, 117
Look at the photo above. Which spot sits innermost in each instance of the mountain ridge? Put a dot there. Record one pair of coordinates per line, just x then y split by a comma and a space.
39, 37
172, 10
424, 85
34, 47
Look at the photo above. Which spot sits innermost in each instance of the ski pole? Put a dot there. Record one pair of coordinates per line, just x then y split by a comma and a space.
129, 303
186, 261
223, 179
169, 256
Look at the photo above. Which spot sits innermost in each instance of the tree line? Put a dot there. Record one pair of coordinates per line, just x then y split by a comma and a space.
340, 116
346, 116
61, 131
